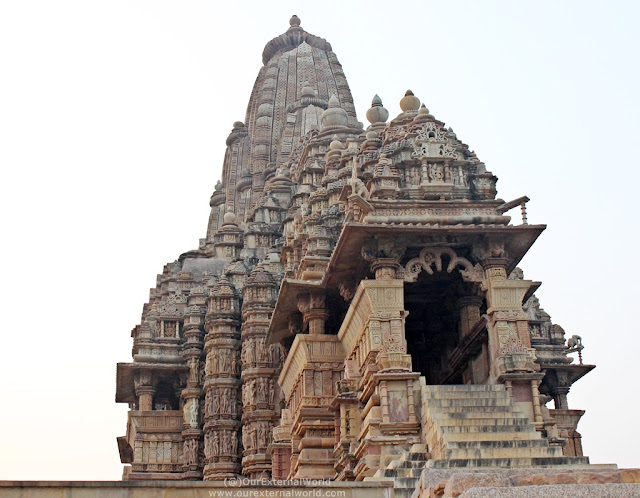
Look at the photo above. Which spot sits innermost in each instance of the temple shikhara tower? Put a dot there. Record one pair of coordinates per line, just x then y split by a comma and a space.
355, 311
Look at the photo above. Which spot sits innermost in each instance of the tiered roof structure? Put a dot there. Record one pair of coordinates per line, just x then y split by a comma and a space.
356, 299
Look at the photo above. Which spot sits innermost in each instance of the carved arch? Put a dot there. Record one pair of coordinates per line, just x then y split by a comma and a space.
431, 257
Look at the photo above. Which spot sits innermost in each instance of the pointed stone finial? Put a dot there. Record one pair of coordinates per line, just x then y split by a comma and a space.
377, 113
409, 103
333, 101
423, 110
294, 21
218, 186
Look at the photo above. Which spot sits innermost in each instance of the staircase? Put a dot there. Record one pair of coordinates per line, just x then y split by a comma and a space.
478, 426
472, 427
405, 472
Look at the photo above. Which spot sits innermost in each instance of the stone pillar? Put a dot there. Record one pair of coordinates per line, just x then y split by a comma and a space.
308, 379
469, 311
145, 397
509, 340
373, 337
280, 448
314, 314
513, 361
347, 426
260, 366
222, 384
193, 329
145, 390
567, 422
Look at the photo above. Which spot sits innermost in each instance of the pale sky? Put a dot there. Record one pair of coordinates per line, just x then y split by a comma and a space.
113, 120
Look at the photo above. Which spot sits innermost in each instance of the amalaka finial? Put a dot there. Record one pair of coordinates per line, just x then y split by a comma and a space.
294, 21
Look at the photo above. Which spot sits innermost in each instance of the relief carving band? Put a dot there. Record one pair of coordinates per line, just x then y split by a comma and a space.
355, 308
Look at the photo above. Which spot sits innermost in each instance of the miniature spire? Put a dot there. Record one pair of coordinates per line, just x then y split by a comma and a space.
423, 116
229, 217
335, 144
307, 90
335, 116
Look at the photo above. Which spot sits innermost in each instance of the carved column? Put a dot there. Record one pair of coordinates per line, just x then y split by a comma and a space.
347, 409
260, 366
567, 422
314, 314
512, 358
373, 337
145, 397
280, 447
222, 384
193, 353
469, 311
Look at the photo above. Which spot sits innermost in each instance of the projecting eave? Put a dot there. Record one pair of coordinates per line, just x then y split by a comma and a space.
286, 305
347, 253
125, 390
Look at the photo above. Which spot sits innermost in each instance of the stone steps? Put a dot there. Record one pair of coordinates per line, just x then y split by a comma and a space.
478, 426
465, 395
468, 414
444, 404
507, 462
404, 472
472, 409
488, 437
501, 449
465, 388
495, 421
472, 426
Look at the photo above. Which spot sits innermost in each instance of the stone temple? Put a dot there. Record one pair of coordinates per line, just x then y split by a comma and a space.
355, 311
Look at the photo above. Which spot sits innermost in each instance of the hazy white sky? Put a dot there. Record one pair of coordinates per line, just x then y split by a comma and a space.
113, 118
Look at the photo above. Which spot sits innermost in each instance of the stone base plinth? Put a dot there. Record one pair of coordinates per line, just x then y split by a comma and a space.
160, 489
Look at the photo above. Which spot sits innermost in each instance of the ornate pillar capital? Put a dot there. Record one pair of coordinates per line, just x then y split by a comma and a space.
314, 314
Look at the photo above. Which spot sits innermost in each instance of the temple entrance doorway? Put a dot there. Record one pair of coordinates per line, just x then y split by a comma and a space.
433, 327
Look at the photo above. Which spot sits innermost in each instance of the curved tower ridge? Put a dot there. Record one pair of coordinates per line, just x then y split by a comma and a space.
299, 76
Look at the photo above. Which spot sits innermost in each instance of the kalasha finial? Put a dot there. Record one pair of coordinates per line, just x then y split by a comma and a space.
409, 103
294, 21
377, 113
